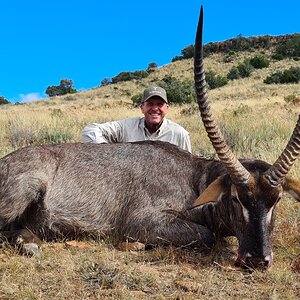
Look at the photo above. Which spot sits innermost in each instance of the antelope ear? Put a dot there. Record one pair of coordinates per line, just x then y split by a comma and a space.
212, 193
292, 186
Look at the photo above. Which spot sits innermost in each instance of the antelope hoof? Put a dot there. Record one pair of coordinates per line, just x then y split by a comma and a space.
30, 249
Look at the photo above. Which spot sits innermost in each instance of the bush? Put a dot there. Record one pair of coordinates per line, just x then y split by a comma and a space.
105, 81
291, 75
288, 49
127, 76
176, 58
152, 66
186, 53
259, 62
233, 73
3, 100
214, 81
136, 99
65, 87
178, 92
245, 69
56, 137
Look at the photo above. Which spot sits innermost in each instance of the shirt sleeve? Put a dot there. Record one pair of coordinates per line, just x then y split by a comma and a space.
109, 132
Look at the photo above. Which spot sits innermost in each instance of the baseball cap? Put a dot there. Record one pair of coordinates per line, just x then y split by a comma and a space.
154, 91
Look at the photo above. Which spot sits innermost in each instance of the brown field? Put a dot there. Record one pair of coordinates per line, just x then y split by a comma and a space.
256, 121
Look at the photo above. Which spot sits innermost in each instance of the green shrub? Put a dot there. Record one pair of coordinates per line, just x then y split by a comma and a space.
176, 58
136, 99
65, 87
245, 69
105, 81
56, 137
3, 100
127, 76
230, 56
233, 73
273, 78
178, 91
152, 66
214, 81
292, 75
288, 49
259, 62
187, 52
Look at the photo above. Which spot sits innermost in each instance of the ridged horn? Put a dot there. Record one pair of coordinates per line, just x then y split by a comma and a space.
236, 170
287, 158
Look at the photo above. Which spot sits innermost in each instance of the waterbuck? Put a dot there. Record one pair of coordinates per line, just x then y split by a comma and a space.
152, 192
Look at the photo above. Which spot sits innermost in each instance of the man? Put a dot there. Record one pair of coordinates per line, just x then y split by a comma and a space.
153, 126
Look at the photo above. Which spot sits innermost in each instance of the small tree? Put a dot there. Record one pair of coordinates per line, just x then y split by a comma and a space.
105, 81
233, 73
245, 69
65, 87
136, 99
152, 66
127, 76
214, 81
259, 62
289, 48
3, 100
292, 75
188, 52
178, 91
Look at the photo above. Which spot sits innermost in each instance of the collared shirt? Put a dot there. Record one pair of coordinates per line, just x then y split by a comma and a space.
133, 130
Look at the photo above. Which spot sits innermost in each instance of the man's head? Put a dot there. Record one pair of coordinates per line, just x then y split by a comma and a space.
154, 105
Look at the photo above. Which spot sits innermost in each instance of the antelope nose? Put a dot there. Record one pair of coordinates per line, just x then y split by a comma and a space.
249, 261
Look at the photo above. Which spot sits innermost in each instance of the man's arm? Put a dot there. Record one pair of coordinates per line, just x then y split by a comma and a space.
109, 132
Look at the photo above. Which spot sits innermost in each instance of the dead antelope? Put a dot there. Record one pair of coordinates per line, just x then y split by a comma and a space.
131, 191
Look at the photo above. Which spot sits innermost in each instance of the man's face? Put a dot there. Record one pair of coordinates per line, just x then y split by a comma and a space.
154, 110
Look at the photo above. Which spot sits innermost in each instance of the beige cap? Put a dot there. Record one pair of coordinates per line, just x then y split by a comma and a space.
154, 91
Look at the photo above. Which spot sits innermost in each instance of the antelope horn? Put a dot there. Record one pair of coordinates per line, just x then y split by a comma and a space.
285, 161
236, 170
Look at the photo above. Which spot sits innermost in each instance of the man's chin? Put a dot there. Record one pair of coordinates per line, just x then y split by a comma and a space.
154, 121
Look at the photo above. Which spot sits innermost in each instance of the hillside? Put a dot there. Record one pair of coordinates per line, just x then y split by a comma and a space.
114, 101
245, 89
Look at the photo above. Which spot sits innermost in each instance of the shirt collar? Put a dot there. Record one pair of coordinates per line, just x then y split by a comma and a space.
157, 132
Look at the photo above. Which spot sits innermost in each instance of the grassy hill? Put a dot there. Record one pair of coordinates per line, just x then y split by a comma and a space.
256, 119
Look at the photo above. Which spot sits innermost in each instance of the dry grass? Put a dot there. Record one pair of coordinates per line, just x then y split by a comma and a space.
257, 123
101, 271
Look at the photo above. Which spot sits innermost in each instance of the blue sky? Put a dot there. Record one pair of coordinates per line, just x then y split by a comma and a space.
43, 41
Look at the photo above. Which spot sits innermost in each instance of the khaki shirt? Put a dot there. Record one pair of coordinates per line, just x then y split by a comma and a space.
133, 130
